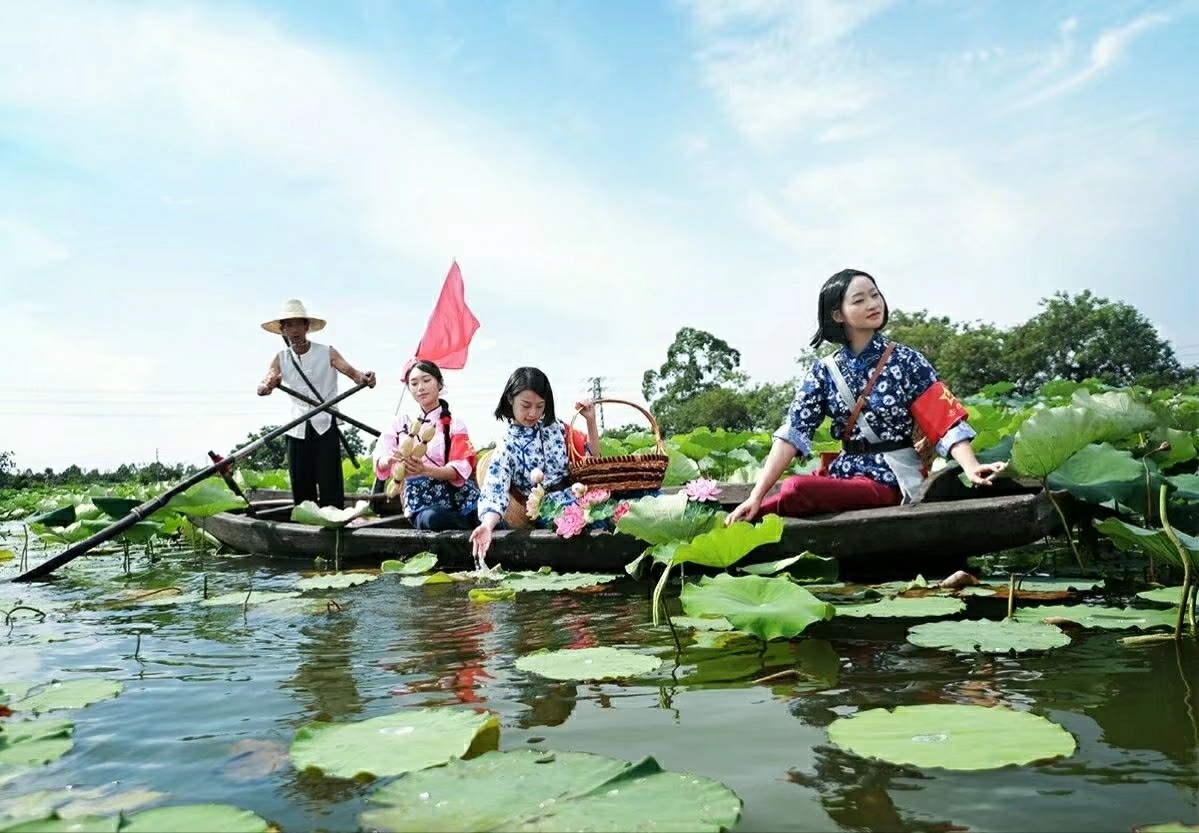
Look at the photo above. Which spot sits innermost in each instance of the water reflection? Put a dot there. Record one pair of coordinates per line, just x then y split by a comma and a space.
324, 683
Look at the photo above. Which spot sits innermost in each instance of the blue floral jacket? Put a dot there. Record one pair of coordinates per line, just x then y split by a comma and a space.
906, 375
522, 450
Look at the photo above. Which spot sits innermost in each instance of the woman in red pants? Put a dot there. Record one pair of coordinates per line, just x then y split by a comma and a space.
882, 391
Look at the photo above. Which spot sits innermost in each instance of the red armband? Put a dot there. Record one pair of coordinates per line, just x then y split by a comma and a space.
936, 411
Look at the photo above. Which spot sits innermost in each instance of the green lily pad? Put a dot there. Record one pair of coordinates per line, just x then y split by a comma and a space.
951, 736
333, 581
817, 659
1107, 618
919, 607
663, 519
116, 507
726, 545
76, 803
588, 664
1054, 585
13, 691
702, 623
432, 578
32, 743
62, 516
1048, 438
530, 790
69, 694
1100, 473
1155, 542
557, 582
765, 607
84, 824
301, 606
206, 498
1166, 595
491, 594
1167, 827
195, 818
769, 568
976, 590
988, 636
138, 533
330, 517
253, 597
393, 744
422, 562
7, 555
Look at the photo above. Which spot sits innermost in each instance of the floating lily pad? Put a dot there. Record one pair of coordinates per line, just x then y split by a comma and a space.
115, 507
951, 736
13, 691
588, 664
530, 790
491, 594
301, 606
975, 590
422, 562
810, 567
765, 607
195, 818
557, 582
85, 824
32, 743
7, 555
165, 599
75, 803
702, 623
1167, 827
68, 694
208, 497
389, 745
1053, 585
253, 597
1108, 618
917, 608
988, 636
333, 581
432, 578
331, 517
1166, 595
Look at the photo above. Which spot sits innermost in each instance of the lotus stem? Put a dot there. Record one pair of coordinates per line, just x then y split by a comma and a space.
769, 678
1011, 594
656, 599
1065, 526
8, 614
1184, 601
25, 550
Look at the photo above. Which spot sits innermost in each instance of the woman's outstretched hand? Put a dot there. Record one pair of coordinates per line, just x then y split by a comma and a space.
746, 511
984, 474
480, 540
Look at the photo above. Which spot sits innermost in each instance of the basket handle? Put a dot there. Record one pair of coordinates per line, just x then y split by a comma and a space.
573, 456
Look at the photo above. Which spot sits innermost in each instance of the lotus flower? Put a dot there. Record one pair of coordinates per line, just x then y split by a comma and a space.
571, 521
621, 509
702, 490
594, 496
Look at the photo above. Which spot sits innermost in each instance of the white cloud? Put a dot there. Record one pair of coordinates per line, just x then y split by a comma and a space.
25, 247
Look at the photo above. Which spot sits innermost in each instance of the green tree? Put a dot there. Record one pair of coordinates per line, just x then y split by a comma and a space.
718, 407
697, 363
272, 455
1085, 337
973, 359
923, 332
767, 404
7, 467
354, 440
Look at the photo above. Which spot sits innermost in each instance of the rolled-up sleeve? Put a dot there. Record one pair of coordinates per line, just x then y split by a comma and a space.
959, 432
494, 493
807, 411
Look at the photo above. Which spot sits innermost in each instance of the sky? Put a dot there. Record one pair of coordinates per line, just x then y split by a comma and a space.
603, 171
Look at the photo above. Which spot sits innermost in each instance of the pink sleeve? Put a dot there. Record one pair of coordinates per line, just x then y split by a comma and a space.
385, 446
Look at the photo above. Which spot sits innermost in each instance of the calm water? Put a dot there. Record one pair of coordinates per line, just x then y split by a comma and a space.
212, 698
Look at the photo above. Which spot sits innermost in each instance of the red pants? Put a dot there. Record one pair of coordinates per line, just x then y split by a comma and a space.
815, 494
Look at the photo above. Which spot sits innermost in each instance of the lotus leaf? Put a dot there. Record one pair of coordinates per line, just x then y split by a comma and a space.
1166, 595
1187, 486
1108, 618
138, 533
1100, 473
330, 517
75, 803
976, 591
924, 606
765, 607
726, 545
491, 594
663, 519
818, 660
32, 743
702, 623
115, 507
680, 469
1052, 585
1049, 438
7, 555
1182, 446
432, 578
1125, 414
1166, 827
1154, 542
195, 818
62, 516
84, 824
393, 744
951, 736
769, 568
333, 581
13, 691
530, 790
987, 636
422, 562
587, 664
69, 694
208, 497
301, 606
531, 581
253, 597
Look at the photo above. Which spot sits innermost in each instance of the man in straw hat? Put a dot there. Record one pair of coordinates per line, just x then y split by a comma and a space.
313, 453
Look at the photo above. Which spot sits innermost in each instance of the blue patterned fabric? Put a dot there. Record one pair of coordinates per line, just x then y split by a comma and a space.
906, 375
421, 493
522, 450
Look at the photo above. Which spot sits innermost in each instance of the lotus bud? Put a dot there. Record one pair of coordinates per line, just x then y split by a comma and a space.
392, 489
578, 490
405, 445
418, 450
398, 471
536, 476
427, 432
413, 429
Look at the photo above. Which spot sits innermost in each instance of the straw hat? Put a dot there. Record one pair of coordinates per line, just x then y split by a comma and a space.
293, 309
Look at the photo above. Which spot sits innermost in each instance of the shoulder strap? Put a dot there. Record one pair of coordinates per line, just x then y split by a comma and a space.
843, 389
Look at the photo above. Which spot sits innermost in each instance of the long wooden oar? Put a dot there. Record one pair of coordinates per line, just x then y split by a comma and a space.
375, 432
142, 511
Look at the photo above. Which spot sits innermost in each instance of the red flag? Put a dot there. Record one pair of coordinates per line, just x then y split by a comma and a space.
451, 326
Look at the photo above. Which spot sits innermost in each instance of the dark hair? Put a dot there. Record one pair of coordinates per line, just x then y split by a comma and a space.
426, 366
521, 380
832, 295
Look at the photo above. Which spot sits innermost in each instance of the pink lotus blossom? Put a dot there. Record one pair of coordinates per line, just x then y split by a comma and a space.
594, 496
571, 521
621, 509
703, 489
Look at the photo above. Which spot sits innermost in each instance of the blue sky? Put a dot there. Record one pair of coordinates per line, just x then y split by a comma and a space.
604, 173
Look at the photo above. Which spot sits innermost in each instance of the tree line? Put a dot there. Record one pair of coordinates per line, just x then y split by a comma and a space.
1073, 338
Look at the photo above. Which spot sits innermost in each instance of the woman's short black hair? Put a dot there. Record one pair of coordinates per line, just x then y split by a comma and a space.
832, 295
521, 380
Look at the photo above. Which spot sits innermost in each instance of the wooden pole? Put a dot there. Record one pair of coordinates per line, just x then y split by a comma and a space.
144, 510
348, 420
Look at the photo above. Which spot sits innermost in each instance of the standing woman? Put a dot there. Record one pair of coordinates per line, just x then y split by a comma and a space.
878, 465
438, 492
535, 442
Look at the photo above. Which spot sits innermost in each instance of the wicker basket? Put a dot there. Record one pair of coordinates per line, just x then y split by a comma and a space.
624, 472
514, 515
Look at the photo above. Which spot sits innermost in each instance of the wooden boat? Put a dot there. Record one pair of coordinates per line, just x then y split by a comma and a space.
934, 536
